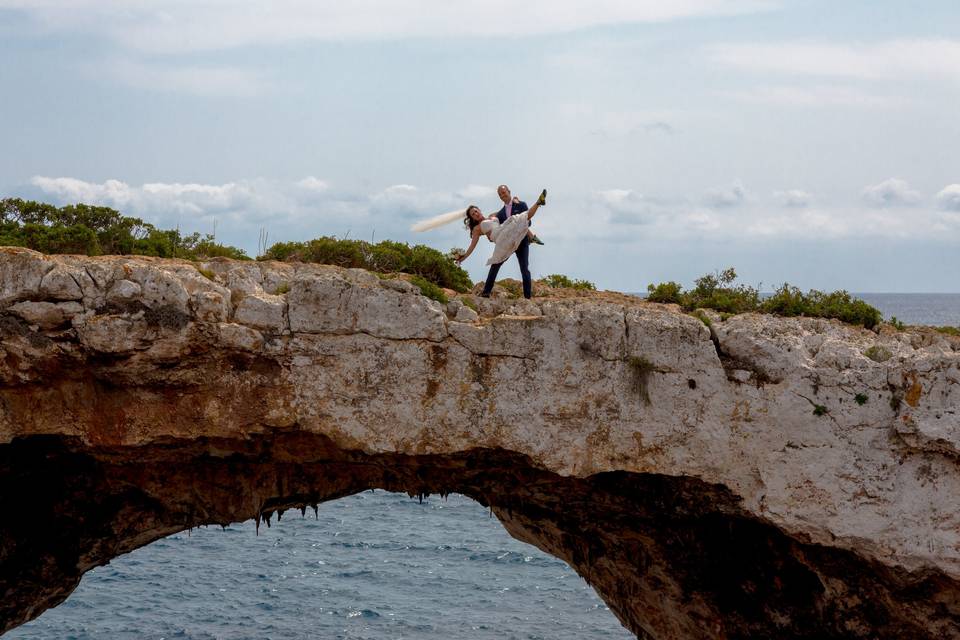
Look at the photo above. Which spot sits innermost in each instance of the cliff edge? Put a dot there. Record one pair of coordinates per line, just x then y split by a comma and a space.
762, 476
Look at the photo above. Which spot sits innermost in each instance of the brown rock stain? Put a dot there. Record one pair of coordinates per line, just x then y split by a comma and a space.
438, 362
914, 391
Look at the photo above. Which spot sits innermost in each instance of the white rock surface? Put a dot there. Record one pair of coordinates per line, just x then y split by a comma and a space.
581, 386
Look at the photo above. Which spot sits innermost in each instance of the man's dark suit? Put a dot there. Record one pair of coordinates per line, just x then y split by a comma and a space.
522, 253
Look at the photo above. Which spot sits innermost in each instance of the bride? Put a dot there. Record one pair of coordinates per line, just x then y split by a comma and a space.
506, 235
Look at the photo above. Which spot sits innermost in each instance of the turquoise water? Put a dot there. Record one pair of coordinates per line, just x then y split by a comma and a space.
374, 566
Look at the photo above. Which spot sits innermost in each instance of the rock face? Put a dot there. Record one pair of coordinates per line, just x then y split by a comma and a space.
762, 477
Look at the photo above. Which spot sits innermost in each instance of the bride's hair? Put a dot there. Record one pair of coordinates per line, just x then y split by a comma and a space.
469, 222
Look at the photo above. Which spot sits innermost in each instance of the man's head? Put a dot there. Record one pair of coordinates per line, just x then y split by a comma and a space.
504, 192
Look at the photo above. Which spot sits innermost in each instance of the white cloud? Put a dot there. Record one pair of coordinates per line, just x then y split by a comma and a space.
477, 192
887, 59
311, 183
733, 196
793, 198
949, 198
289, 211
891, 193
160, 26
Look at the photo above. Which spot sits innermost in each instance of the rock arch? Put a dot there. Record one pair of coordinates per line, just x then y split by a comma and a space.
141, 398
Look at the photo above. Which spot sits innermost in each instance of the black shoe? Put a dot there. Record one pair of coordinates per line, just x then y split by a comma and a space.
542, 200
536, 240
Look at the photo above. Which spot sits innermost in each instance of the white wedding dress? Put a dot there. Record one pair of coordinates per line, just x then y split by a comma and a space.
506, 236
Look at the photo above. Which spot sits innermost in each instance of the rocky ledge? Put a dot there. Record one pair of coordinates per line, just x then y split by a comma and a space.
761, 477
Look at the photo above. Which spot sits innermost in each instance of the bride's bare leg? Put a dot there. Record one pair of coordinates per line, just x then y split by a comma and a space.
542, 200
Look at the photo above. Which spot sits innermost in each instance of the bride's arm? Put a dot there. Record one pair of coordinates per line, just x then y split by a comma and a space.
475, 236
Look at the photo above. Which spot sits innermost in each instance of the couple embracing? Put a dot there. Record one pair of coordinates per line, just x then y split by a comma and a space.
509, 230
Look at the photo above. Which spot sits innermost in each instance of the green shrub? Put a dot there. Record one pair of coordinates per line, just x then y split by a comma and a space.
513, 288
860, 399
59, 239
210, 249
384, 257
283, 251
389, 257
469, 302
896, 324
94, 230
820, 410
560, 281
702, 317
429, 289
717, 291
950, 331
665, 292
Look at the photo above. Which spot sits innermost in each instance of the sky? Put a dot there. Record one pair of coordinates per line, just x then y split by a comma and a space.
813, 142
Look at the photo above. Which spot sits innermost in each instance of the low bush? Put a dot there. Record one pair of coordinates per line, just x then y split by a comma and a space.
717, 291
92, 230
665, 292
790, 301
560, 281
429, 289
384, 257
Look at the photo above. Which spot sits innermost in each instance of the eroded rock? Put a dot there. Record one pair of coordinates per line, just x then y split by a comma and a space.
765, 479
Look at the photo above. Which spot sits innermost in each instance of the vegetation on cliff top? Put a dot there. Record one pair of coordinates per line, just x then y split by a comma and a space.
94, 231
384, 257
717, 291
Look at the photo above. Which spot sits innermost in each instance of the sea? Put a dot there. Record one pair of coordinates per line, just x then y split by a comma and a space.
372, 566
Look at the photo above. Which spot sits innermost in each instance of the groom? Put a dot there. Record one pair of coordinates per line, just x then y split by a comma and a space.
511, 208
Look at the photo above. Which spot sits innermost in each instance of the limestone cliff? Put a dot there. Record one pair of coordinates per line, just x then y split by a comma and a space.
763, 477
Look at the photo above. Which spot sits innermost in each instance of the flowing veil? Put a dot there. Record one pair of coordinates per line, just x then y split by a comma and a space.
439, 221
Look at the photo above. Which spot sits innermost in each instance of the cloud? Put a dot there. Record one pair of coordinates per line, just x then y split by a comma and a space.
298, 209
625, 206
820, 96
159, 26
949, 198
313, 184
616, 124
886, 59
198, 80
793, 198
476, 192
891, 193
733, 196
311, 207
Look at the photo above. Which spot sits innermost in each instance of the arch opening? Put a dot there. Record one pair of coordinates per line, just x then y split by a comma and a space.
671, 556
374, 565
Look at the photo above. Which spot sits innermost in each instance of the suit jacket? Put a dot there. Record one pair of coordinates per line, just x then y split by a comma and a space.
519, 207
